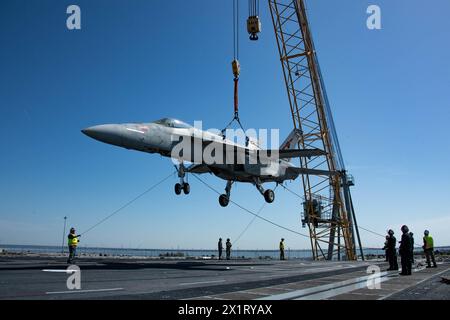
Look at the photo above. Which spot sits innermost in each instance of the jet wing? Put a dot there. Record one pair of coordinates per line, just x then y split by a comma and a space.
315, 172
233, 153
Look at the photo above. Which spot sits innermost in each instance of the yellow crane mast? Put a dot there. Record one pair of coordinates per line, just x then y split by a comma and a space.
327, 207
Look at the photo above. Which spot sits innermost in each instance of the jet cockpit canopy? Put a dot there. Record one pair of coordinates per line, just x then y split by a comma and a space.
173, 123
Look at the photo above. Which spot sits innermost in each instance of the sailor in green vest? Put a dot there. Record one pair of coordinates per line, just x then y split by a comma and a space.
428, 247
72, 242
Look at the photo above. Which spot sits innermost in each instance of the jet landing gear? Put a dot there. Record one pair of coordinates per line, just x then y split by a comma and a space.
182, 186
224, 199
268, 194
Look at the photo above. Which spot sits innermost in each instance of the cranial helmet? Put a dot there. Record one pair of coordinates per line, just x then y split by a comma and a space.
405, 228
391, 232
426, 232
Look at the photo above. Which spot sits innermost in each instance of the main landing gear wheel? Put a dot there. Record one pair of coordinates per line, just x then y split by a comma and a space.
178, 188
182, 186
224, 200
269, 196
186, 188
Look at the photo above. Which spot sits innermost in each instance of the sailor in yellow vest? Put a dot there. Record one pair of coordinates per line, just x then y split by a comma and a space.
72, 242
282, 249
428, 247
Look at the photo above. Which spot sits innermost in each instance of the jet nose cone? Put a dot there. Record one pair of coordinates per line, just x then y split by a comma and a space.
108, 133
97, 131
87, 131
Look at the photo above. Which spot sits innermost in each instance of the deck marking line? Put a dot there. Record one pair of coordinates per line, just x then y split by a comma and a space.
84, 291
317, 289
201, 282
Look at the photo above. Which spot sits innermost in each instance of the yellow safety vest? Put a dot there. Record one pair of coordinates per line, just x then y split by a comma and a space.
428, 242
73, 241
281, 246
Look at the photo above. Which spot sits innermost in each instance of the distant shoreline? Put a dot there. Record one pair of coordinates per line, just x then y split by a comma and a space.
98, 252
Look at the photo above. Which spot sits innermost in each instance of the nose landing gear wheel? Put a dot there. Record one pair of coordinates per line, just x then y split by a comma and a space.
269, 196
186, 188
224, 200
178, 188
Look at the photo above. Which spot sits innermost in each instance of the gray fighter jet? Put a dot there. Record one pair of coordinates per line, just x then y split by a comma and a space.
210, 152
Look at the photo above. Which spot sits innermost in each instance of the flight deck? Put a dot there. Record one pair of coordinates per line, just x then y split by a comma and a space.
114, 278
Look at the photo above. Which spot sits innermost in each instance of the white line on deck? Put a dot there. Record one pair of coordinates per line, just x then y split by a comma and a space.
202, 282
59, 270
341, 290
84, 291
325, 291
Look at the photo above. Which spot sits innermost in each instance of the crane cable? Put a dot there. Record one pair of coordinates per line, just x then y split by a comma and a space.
236, 68
253, 8
301, 197
128, 203
250, 223
365, 229
253, 219
236, 29
256, 215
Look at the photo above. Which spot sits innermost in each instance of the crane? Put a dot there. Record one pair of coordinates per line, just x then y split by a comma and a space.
327, 206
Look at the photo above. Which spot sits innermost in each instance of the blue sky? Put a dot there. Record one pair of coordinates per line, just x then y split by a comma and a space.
143, 60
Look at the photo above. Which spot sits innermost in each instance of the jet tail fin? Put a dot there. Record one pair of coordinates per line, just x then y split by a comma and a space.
291, 142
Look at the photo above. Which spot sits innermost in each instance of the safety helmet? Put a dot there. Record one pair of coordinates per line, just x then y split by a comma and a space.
405, 228
426, 232
72, 229
282, 239
391, 232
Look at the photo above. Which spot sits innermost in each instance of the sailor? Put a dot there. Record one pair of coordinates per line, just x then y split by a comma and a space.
405, 252
228, 248
385, 248
282, 249
428, 247
220, 248
72, 241
391, 251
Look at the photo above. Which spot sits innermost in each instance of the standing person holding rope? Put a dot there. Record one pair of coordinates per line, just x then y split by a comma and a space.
72, 242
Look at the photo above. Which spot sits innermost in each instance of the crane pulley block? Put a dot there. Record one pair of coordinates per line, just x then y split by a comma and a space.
253, 27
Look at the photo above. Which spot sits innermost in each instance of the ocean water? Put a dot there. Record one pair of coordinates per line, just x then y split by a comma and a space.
246, 254
129, 252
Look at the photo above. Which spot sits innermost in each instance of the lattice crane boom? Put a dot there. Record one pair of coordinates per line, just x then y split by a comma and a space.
327, 207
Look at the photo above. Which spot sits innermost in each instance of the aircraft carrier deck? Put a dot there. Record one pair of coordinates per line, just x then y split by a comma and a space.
107, 278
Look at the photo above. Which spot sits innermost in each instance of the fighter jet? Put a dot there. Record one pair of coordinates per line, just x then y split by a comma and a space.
210, 152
